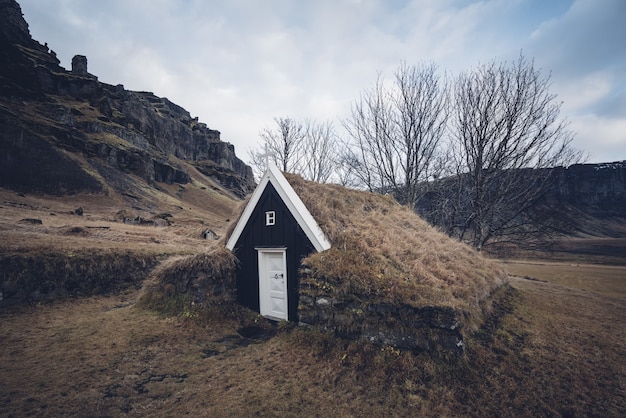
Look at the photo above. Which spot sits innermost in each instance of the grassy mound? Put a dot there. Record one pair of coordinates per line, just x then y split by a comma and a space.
33, 276
187, 284
385, 252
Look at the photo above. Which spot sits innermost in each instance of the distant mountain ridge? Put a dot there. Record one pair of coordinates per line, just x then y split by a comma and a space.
597, 189
583, 199
66, 132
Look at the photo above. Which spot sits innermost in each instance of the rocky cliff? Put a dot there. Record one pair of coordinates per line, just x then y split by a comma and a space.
582, 199
597, 189
63, 131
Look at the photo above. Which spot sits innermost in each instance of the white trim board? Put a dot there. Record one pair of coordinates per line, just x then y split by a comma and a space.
293, 202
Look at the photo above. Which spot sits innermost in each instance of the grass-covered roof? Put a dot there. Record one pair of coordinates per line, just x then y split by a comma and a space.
385, 251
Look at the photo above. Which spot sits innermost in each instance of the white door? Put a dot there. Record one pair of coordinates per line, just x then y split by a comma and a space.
273, 283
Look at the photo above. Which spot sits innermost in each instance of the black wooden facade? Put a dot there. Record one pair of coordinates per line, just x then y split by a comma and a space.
285, 233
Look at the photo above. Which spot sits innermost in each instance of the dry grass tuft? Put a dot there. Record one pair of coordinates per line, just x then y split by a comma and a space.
186, 284
384, 251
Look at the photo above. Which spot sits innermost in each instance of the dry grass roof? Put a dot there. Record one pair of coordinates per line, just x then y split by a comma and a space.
385, 251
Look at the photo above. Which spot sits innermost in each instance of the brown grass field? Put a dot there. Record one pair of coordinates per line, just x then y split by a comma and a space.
556, 347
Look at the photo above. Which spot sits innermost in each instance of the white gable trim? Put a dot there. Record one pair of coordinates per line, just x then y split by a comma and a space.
295, 205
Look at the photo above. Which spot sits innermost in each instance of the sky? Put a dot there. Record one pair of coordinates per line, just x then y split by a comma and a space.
238, 64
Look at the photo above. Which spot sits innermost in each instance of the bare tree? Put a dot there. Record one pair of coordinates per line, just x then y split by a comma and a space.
284, 144
307, 148
319, 151
505, 132
395, 132
348, 168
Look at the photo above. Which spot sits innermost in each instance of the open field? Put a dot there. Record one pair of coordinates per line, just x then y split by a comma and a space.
598, 250
557, 350
606, 280
557, 347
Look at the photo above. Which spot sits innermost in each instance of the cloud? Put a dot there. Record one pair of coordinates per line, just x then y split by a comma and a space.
238, 64
583, 49
587, 38
608, 136
587, 92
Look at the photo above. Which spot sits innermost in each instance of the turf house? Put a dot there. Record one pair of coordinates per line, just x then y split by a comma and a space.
357, 264
274, 233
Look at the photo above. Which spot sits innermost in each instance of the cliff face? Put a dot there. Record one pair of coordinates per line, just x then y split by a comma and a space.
63, 131
583, 199
598, 189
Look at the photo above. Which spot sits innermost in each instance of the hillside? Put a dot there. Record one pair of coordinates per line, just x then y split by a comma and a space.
65, 132
581, 216
98, 184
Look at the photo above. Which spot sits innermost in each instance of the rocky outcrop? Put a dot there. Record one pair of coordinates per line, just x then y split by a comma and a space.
79, 67
598, 189
587, 199
136, 132
14, 28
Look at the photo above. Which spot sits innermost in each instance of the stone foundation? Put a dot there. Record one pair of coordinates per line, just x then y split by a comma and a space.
433, 329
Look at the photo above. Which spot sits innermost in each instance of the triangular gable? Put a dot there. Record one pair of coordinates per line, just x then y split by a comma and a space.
292, 201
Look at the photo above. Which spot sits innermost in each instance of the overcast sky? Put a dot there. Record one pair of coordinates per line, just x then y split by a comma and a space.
237, 64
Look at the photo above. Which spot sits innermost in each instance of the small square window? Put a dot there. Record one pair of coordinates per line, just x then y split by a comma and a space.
270, 218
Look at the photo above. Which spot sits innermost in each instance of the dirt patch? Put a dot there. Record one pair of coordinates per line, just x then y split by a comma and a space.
256, 333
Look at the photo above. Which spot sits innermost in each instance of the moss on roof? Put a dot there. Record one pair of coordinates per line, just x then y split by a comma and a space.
386, 252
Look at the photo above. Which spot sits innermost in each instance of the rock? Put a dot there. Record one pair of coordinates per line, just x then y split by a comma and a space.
595, 191
435, 329
31, 221
78, 211
79, 67
210, 235
14, 27
323, 301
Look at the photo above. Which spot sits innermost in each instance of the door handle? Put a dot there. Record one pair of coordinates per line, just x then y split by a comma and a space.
276, 276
